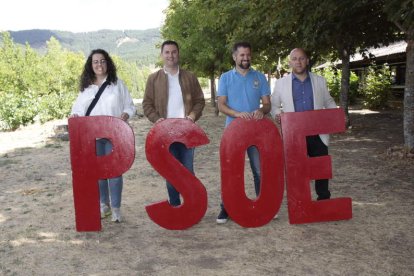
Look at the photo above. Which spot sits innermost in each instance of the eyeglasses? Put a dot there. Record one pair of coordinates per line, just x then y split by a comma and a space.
96, 62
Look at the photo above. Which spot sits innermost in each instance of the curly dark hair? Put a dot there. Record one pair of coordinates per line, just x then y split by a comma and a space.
88, 76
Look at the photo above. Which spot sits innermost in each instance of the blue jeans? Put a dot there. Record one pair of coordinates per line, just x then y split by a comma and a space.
109, 187
186, 157
254, 158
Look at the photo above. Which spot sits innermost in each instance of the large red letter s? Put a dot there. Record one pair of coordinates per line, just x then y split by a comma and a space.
88, 168
300, 169
158, 142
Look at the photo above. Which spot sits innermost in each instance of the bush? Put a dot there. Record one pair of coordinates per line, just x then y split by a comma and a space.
204, 82
333, 80
16, 110
376, 87
55, 106
33, 85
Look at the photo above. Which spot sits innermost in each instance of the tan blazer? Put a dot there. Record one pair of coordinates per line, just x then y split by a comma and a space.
282, 98
155, 99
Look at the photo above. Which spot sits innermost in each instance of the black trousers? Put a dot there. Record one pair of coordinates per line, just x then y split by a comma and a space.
316, 147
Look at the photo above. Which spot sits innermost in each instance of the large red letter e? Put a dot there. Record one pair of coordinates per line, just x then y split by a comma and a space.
88, 168
300, 169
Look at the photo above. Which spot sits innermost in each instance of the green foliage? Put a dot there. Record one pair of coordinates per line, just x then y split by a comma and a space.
376, 87
57, 84
201, 28
401, 12
44, 87
134, 77
55, 106
16, 110
204, 82
17, 100
333, 80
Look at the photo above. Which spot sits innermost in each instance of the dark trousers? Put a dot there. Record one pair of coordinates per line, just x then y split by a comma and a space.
316, 147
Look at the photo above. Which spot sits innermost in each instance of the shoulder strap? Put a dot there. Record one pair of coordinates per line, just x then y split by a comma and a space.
97, 96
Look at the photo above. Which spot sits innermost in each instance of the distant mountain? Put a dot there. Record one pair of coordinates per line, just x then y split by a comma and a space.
131, 45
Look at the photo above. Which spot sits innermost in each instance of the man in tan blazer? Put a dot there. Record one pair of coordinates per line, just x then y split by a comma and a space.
303, 91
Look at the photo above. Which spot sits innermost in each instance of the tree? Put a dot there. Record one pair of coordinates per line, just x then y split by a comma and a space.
34, 86
59, 81
201, 29
17, 105
336, 28
265, 32
401, 13
331, 26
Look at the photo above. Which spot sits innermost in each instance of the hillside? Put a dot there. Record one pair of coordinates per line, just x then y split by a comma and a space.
131, 45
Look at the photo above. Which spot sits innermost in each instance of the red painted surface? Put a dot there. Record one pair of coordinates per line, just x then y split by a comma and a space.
237, 137
193, 192
88, 168
301, 169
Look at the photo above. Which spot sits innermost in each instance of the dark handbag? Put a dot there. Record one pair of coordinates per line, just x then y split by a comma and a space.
97, 96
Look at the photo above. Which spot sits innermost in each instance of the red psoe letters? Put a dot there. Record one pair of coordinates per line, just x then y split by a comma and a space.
237, 137
300, 169
88, 168
194, 194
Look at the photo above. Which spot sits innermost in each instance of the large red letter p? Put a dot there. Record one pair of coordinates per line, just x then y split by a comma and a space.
88, 168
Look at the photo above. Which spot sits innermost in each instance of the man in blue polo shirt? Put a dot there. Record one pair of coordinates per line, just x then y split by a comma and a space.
240, 92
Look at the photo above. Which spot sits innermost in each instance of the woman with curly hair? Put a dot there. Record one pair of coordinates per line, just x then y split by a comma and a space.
115, 100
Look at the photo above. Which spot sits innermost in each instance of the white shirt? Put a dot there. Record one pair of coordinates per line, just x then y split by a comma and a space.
114, 101
175, 107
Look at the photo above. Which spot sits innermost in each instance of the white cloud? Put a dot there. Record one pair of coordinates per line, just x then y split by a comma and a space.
82, 15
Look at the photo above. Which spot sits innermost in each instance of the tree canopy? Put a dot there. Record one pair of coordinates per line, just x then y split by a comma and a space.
206, 29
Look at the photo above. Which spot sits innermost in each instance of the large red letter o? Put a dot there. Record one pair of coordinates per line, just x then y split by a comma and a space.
237, 137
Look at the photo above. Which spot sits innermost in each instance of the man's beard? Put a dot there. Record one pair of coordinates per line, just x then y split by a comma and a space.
245, 65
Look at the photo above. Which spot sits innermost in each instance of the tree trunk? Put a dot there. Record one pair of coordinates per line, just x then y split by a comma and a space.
344, 54
409, 94
213, 94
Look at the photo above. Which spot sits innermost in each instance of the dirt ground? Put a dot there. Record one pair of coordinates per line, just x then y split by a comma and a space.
37, 222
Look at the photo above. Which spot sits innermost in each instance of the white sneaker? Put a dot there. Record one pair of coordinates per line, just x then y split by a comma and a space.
116, 215
105, 210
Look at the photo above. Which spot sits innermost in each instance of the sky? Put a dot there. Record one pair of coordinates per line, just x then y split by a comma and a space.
82, 15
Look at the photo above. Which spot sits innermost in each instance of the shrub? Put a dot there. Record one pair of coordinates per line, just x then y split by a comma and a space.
16, 110
204, 82
55, 106
376, 87
333, 80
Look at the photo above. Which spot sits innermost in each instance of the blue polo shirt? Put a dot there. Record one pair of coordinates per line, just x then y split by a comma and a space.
302, 94
243, 92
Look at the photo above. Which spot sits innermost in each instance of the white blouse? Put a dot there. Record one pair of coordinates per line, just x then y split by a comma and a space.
114, 101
